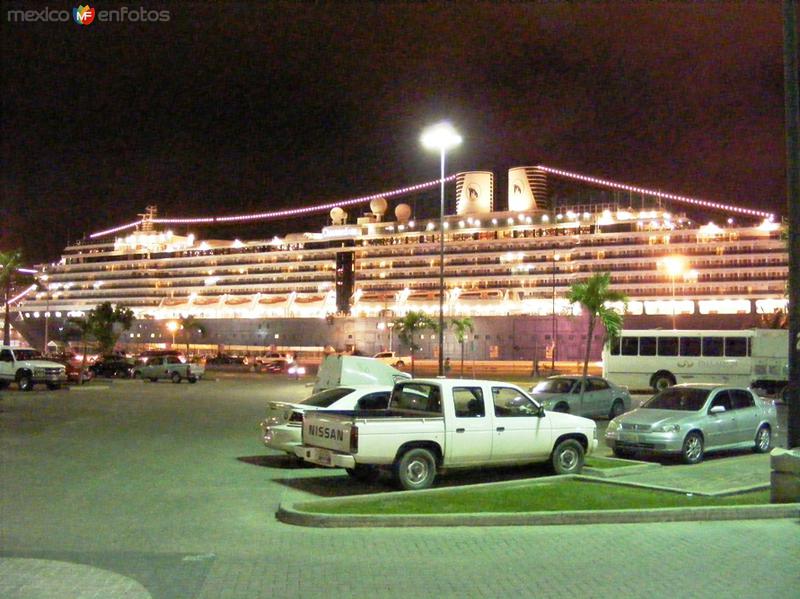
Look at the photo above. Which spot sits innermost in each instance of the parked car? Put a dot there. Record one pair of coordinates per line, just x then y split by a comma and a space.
563, 394
392, 359
112, 366
692, 419
73, 366
436, 424
168, 367
26, 366
225, 359
283, 427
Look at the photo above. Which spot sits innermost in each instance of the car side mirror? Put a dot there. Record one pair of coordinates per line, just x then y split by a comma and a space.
716, 409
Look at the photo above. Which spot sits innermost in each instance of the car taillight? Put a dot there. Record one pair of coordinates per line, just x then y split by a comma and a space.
354, 439
296, 417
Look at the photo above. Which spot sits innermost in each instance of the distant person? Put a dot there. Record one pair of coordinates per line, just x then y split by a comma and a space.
447, 366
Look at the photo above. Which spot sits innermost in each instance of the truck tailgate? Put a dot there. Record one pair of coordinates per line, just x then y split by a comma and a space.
331, 431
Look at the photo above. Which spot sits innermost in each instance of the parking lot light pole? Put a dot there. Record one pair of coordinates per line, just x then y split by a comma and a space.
441, 137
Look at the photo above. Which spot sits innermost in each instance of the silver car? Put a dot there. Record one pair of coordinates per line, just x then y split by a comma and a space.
563, 394
691, 419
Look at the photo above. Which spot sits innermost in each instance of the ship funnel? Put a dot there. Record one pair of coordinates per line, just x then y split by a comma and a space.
474, 192
527, 189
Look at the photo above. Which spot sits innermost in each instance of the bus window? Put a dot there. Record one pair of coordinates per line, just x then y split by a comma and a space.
667, 346
690, 346
647, 346
630, 346
712, 346
736, 347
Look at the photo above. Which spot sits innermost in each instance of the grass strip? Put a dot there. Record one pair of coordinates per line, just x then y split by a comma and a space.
605, 463
535, 497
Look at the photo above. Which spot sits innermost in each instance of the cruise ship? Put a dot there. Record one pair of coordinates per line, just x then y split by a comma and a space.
510, 269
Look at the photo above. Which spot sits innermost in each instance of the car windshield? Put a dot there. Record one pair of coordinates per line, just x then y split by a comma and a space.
554, 386
674, 398
324, 399
27, 354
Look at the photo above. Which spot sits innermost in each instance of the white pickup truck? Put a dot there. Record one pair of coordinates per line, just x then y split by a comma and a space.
435, 424
392, 358
26, 367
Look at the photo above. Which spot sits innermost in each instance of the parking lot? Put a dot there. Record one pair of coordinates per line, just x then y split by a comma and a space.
168, 488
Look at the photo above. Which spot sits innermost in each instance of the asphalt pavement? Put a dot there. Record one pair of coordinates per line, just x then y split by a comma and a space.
130, 489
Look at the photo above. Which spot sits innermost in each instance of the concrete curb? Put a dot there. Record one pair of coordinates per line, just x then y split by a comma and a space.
681, 490
634, 467
291, 515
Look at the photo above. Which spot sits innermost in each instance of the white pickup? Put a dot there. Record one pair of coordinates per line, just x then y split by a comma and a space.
433, 424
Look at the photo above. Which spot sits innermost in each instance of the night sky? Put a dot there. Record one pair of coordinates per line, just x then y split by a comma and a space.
231, 108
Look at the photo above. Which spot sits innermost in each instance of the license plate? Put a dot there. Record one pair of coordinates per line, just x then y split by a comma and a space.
324, 457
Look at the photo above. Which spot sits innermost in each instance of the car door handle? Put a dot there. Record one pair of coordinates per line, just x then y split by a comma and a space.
459, 430
500, 429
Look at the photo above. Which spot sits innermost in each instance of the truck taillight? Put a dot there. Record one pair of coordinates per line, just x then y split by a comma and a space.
354, 439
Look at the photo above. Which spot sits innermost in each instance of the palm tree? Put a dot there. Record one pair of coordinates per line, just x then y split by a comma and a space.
189, 324
9, 276
411, 323
593, 295
462, 327
104, 319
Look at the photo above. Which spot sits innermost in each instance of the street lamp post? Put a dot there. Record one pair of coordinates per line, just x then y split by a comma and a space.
441, 137
675, 266
172, 326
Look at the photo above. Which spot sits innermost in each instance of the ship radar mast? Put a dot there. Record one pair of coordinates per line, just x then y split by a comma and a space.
147, 218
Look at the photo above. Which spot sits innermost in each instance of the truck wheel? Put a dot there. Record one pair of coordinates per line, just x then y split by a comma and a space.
364, 473
25, 382
567, 457
415, 470
192, 379
662, 380
176, 378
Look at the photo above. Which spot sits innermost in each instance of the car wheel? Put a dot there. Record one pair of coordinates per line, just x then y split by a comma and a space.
562, 407
617, 409
415, 470
153, 379
692, 451
567, 457
364, 473
53, 386
25, 382
176, 378
763, 440
662, 380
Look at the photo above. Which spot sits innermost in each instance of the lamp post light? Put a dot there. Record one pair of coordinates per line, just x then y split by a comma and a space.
441, 137
555, 323
172, 326
675, 267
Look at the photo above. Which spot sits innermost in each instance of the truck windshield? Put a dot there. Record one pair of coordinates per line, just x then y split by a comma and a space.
416, 397
27, 354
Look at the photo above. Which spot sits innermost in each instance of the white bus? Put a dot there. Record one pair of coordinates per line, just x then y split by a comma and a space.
659, 358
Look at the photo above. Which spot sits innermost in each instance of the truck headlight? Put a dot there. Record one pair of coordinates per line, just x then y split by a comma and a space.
668, 428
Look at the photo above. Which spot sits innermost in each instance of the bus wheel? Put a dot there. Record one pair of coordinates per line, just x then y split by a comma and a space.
662, 380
